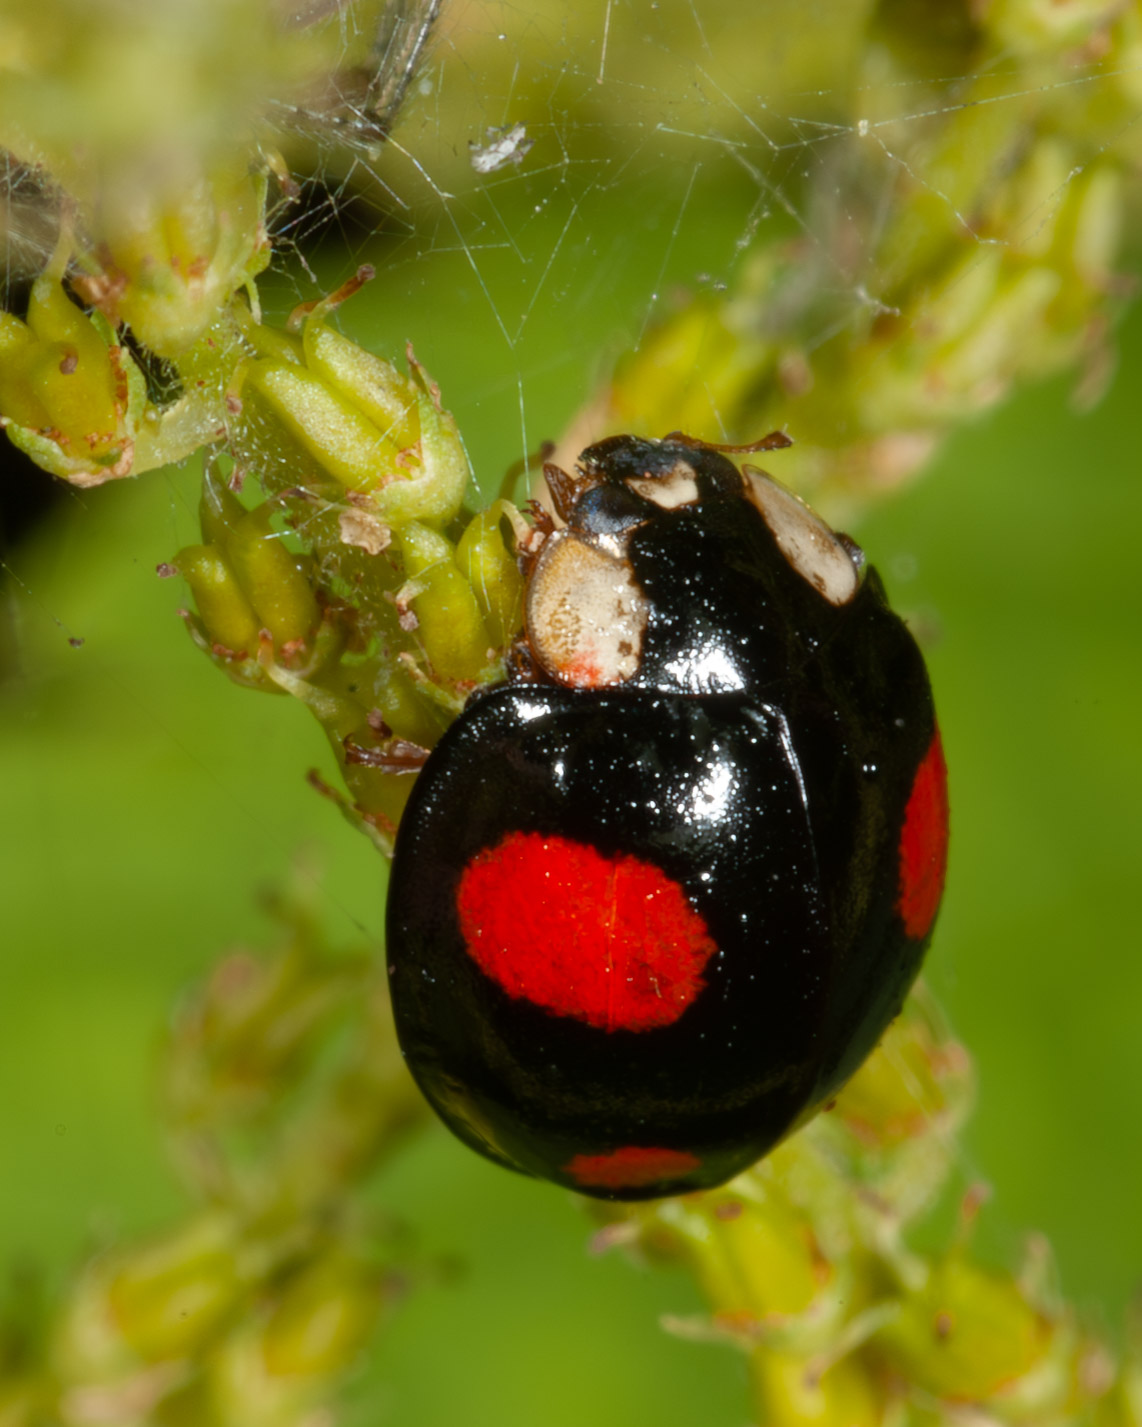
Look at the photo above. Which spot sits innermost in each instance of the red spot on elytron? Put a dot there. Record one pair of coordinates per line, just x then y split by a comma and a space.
632, 1167
924, 844
611, 941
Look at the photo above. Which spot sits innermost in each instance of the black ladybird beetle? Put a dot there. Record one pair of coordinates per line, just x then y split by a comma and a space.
657, 896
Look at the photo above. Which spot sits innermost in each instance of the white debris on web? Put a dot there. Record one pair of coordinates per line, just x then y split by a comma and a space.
504, 146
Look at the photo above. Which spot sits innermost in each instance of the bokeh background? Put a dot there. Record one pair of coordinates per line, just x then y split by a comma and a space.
144, 801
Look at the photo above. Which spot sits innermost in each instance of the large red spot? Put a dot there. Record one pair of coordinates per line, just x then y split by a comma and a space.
611, 941
924, 844
632, 1167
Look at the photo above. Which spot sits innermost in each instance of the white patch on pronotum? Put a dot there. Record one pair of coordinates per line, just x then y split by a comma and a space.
585, 613
812, 549
677, 487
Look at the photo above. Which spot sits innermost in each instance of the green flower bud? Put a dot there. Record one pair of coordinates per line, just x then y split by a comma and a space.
322, 1319
433, 493
248, 1033
219, 510
406, 713
759, 1260
967, 1335
168, 263
270, 577
227, 615
449, 622
490, 568
272, 343
339, 437
382, 436
686, 374
762, 1260
893, 1126
171, 1297
792, 1391
1090, 230
70, 396
375, 386
274, 1371
917, 1082
244, 579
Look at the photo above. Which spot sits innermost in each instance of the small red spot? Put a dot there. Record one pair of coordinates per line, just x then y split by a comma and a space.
583, 671
632, 1167
611, 941
924, 844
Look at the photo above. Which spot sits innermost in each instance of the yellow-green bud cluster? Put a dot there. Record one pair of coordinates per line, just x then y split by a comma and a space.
167, 262
992, 265
397, 606
807, 1269
251, 1032
241, 1061
284, 1086
215, 1324
246, 583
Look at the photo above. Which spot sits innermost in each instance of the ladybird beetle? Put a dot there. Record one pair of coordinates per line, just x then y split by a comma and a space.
657, 895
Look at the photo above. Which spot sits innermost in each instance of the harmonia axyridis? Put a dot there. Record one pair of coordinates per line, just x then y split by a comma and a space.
657, 896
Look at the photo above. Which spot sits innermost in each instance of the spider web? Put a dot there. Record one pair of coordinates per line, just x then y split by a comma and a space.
655, 149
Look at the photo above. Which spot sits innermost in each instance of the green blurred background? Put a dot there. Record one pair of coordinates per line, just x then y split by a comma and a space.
146, 800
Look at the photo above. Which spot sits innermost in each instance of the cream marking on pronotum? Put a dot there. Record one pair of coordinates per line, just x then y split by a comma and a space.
585, 613
678, 486
803, 538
